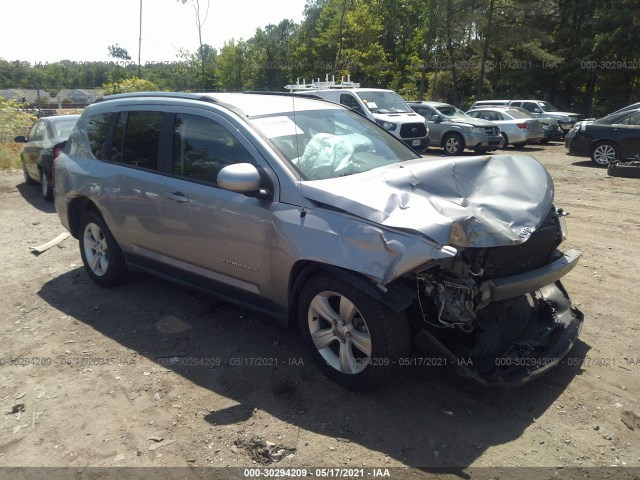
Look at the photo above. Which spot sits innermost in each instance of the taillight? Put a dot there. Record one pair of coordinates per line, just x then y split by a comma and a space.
522, 125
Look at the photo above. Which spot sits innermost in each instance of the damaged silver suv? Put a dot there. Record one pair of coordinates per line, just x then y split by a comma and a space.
305, 211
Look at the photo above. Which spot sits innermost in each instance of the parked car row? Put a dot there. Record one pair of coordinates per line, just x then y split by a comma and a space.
537, 108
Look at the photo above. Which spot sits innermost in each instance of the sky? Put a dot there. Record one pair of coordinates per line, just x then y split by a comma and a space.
46, 31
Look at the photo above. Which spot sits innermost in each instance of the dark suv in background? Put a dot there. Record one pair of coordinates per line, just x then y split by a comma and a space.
305, 211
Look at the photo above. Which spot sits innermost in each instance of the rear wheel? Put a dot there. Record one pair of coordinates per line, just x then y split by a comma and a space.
100, 252
47, 189
604, 153
27, 179
519, 145
505, 140
453, 144
358, 341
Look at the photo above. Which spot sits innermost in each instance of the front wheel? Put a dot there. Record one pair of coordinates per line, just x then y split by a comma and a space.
100, 252
604, 153
358, 341
505, 141
453, 144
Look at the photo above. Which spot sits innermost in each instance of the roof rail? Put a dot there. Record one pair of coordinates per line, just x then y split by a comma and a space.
188, 96
318, 85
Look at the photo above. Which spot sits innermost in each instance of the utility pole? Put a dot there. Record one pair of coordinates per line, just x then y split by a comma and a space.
140, 42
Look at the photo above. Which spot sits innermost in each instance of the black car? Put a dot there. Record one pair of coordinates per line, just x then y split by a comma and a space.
44, 143
616, 136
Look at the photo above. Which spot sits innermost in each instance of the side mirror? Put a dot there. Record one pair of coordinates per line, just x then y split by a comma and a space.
435, 118
240, 178
537, 110
20, 139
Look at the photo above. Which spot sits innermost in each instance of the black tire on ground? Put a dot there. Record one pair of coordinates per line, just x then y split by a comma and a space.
453, 144
100, 252
544, 140
604, 152
519, 145
618, 169
357, 341
47, 189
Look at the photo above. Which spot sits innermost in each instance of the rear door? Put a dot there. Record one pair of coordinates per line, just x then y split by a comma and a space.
129, 180
211, 234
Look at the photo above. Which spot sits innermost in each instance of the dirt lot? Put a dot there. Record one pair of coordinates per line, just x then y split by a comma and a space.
150, 374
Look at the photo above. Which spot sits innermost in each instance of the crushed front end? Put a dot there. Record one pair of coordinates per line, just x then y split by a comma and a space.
500, 313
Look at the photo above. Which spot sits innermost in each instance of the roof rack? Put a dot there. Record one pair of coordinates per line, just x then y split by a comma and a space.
318, 85
182, 95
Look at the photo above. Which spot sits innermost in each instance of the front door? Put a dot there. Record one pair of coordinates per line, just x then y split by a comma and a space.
212, 233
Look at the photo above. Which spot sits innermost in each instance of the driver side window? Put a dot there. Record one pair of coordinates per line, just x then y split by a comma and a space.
202, 147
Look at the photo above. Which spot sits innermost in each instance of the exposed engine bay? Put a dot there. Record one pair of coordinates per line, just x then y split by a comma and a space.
495, 339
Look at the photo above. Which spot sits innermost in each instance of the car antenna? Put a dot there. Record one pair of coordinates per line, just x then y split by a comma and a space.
303, 211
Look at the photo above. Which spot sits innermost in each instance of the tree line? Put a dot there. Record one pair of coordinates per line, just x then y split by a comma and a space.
581, 55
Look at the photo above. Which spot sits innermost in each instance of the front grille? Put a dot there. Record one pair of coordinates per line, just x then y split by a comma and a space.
492, 130
537, 251
413, 130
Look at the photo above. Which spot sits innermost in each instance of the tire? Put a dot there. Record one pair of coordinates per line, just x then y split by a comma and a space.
625, 170
544, 141
519, 145
100, 252
27, 179
603, 153
505, 141
453, 144
47, 189
332, 314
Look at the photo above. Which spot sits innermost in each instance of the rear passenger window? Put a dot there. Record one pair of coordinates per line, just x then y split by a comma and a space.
136, 139
202, 147
97, 128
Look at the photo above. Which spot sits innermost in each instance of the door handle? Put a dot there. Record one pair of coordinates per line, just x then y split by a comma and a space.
177, 197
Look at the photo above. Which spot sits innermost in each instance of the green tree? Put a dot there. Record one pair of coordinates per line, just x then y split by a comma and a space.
116, 51
133, 84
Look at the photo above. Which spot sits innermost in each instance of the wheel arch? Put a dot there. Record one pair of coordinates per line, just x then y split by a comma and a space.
75, 210
397, 295
452, 131
596, 143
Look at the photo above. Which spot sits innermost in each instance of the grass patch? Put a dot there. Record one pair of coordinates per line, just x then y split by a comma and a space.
10, 156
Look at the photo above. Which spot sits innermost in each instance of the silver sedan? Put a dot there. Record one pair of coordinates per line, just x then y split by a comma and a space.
517, 128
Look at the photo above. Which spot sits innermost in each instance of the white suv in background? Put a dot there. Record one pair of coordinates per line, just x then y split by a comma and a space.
384, 107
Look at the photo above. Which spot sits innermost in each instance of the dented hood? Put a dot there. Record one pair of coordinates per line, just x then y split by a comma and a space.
481, 201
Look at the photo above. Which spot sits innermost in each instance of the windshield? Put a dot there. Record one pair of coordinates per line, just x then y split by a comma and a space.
384, 102
331, 143
548, 107
62, 127
453, 112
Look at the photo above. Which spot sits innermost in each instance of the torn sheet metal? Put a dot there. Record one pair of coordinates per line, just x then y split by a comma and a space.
332, 238
482, 201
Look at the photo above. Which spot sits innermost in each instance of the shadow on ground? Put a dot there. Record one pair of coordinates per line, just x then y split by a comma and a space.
428, 409
33, 195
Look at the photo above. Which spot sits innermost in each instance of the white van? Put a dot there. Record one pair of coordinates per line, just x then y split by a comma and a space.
384, 107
